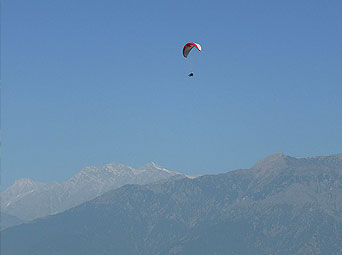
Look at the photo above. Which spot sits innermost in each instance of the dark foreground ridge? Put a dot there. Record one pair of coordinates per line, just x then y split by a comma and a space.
282, 205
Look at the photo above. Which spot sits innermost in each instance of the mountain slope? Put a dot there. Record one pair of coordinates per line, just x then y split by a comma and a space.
28, 200
9, 221
282, 205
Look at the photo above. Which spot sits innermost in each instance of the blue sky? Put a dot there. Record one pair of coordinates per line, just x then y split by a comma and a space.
93, 82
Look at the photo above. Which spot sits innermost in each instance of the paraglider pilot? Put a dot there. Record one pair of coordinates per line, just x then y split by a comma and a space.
186, 50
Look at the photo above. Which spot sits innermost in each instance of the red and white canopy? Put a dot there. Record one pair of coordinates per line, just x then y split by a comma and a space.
188, 47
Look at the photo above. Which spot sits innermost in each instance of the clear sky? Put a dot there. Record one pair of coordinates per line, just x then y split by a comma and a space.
93, 82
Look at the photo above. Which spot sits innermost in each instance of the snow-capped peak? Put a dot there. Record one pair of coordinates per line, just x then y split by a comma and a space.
24, 185
154, 166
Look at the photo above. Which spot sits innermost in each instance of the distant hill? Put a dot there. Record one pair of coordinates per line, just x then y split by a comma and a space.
282, 205
29, 200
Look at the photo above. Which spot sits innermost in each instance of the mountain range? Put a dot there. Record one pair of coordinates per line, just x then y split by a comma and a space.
28, 200
282, 205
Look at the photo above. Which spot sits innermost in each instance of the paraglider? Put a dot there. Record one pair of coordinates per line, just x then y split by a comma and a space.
188, 47
186, 50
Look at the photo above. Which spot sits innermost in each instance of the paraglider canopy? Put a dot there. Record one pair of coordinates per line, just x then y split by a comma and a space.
188, 47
